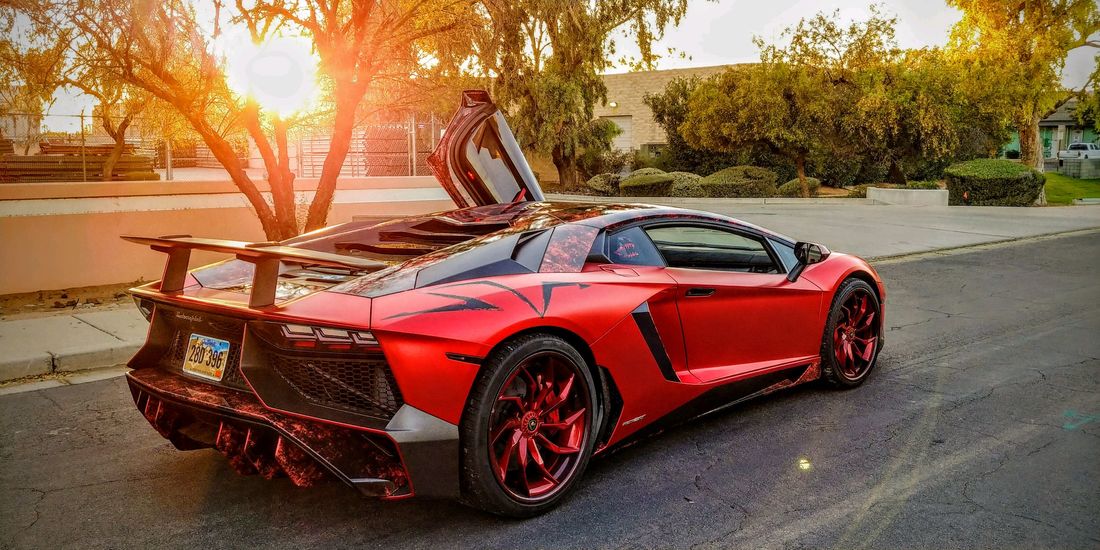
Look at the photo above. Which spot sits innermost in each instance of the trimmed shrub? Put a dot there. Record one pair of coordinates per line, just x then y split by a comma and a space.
686, 185
652, 185
740, 181
604, 184
647, 172
794, 189
993, 182
926, 184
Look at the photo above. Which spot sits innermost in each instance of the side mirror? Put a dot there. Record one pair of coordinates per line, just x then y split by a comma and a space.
807, 254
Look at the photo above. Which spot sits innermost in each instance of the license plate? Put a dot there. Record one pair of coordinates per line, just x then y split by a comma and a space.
206, 357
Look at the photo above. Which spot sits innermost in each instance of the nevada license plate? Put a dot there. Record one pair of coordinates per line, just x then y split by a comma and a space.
206, 357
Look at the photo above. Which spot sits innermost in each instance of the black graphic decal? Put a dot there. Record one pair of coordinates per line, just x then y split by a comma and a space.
466, 304
547, 291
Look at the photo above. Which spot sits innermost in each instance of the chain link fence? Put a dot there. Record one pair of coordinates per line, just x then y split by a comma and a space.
76, 148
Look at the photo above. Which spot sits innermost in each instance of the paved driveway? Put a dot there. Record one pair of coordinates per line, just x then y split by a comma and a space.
980, 428
875, 231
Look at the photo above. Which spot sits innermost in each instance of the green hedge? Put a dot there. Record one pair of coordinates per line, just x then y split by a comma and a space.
740, 181
647, 172
922, 184
794, 189
653, 185
604, 184
686, 185
993, 182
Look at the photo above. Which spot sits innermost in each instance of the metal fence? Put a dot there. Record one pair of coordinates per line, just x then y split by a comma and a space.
67, 147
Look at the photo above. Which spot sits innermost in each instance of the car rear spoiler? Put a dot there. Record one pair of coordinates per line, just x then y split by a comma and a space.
266, 256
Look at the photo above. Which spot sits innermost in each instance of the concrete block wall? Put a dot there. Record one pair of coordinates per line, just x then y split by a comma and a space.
66, 235
626, 90
1086, 169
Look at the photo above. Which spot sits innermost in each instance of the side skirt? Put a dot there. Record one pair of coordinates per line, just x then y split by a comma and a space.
728, 395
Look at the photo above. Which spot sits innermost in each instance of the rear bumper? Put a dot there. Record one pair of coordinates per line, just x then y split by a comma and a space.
414, 451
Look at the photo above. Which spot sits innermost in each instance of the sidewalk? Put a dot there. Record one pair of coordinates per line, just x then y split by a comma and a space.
69, 342
93, 339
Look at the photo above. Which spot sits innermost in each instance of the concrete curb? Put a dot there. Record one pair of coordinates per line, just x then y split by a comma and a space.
68, 343
683, 200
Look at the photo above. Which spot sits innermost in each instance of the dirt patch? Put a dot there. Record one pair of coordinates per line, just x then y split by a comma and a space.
824, 191
48, 302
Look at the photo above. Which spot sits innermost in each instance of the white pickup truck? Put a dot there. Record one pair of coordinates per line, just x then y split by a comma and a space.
1081, 151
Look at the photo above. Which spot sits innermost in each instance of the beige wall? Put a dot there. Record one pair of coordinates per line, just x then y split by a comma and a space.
626, 90
55, 236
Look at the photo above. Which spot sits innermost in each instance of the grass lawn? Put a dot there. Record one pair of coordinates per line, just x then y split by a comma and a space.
1063, 189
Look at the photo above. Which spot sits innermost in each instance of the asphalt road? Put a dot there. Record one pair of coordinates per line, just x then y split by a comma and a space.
980, 428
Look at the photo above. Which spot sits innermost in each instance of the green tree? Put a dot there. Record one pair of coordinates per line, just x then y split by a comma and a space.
799, 101
1018, 49
670, 110
914, 114
169, 50
30, 68
547, 57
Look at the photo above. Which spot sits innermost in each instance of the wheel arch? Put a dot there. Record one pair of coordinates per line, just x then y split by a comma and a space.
609, 401
865, 277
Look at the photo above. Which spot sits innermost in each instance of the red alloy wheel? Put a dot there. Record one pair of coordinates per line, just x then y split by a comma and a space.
538, 426
856, 335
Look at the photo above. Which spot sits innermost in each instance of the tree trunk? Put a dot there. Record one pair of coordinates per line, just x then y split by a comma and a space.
800, 165
1031, 150
287, 208
279, 177
119, 135
567, 169
344, 125
896, 175
224, 153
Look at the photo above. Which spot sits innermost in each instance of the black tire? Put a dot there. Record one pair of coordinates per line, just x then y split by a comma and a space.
481, 488
832, 372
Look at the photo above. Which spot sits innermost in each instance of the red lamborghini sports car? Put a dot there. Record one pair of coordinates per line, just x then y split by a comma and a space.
488, 352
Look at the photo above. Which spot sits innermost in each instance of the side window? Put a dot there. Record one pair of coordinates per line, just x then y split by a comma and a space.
785, 253
700, 247
632, 247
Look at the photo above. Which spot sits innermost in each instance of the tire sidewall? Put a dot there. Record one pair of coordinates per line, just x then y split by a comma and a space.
480, 486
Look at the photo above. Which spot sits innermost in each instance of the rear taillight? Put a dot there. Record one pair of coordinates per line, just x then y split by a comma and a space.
306, 337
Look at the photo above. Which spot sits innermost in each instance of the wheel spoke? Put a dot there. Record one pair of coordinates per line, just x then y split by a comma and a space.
840, 351
506, 455
532, 387
561, 396
522, 448
869, 347
853, 311
867, 324
539, 463
509, 425
568, 422
555, 448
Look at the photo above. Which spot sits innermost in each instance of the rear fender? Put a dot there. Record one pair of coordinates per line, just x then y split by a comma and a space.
436, 338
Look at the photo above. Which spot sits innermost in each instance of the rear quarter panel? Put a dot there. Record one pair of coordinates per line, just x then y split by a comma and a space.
422, 330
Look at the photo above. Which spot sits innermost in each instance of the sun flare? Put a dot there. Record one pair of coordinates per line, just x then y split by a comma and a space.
280, 74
